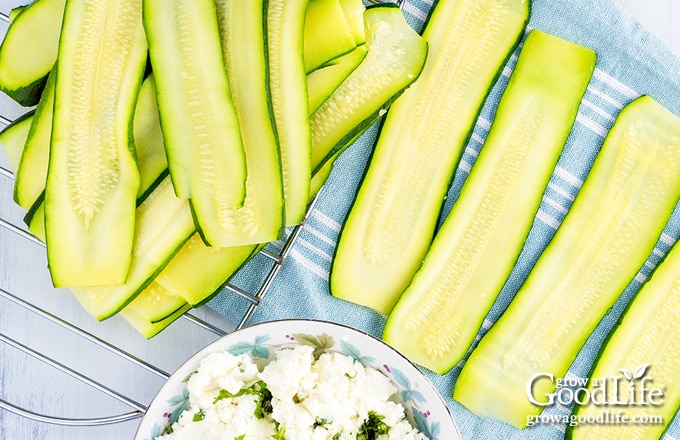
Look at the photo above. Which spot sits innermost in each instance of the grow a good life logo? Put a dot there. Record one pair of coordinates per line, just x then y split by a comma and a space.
628, 397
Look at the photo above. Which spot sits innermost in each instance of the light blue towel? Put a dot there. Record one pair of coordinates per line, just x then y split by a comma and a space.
631, 62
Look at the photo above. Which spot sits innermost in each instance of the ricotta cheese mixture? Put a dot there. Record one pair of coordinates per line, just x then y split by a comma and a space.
295, 397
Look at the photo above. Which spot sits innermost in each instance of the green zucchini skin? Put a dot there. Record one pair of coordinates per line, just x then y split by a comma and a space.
29, 50
648, 333
200, 126
32, 172
13, 139
260, 219
610, 230
392, 220
439, 314
289, 101
93, 178
395, 58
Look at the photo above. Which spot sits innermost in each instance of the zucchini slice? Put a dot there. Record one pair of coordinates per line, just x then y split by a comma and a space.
395, 58
200, 127
646, 341
285, 21
438, 316
32, 173
607, 235
13, 139
327, 34
392, 221
29, 50
164, 223
93, 179
261, 217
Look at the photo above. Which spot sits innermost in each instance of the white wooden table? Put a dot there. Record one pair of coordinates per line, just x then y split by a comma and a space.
31, 384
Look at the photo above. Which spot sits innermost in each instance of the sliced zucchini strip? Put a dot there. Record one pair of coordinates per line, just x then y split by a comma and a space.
605, 238
29, 50
200, 127
261, 217
93, 179
289, 101
391, 223
438, 316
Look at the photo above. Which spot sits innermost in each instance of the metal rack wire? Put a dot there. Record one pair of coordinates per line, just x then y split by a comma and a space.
104, 337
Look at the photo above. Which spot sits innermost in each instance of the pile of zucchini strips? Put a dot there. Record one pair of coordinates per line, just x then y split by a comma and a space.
171, 140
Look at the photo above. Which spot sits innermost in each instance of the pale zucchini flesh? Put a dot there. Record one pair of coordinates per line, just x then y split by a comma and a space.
29, 50
439, 314
645, 343
605, 238
392, 221
289, 101
260, 219
92, 180
200, 127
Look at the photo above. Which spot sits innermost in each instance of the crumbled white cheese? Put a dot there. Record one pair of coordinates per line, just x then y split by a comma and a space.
329, 398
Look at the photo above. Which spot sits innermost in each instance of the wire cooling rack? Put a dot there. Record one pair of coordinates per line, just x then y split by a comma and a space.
60, 370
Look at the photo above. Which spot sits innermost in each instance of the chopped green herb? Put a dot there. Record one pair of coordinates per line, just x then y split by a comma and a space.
240, 437
321, 422
259, 388
199, 416
372, 427
280, 433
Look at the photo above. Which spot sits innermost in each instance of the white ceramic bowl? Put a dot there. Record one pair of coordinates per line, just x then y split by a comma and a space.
424, 406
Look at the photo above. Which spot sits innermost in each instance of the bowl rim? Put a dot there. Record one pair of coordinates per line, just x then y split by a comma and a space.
210, 347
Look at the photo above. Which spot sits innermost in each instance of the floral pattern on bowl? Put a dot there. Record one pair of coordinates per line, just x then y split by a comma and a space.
424, 407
